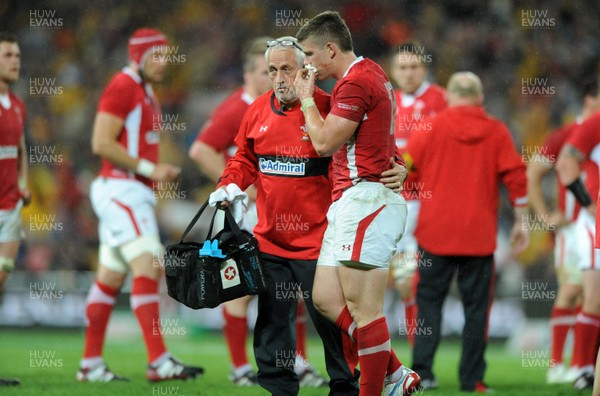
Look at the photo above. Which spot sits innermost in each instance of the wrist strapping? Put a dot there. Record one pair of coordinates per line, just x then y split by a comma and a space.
580, 192
145, 168
307, 102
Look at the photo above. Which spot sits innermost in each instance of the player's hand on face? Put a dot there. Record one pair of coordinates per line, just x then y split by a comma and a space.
305, 82
165, 173
394, 178
519, 239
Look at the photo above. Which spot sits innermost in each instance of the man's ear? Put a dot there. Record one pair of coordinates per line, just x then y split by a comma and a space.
331, 49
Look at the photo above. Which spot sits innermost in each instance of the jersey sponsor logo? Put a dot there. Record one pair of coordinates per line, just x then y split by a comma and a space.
152, 137
345, 106
271, 167
9, 152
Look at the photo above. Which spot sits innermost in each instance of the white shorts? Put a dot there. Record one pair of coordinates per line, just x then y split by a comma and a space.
567, 255
408, 243
364, 227
11, 229
125, 210
405, 267
585, 227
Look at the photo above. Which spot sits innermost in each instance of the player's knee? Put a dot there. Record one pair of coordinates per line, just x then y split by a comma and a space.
112, 266
7, 264
145, 245
592, 304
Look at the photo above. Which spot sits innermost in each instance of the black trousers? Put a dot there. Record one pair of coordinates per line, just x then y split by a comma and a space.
475, 277
275, 330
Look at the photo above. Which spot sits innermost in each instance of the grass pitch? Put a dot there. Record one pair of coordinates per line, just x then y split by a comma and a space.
45, 360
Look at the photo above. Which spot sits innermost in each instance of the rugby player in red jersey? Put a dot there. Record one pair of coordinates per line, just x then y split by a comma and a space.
125, 138
416, 101
584, 143
213, 147
13, 163
293, 194
572, 242
366, 220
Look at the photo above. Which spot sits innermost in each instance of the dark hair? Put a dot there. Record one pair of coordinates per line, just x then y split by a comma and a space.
258, 46
590, 87
327, 26
7, 37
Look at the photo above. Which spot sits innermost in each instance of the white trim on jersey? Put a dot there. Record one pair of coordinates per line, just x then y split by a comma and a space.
5, 101
595, 154
521, 200
360, 58
407, 100
134, 76
9, 152
132, 124
351, 158
247, 98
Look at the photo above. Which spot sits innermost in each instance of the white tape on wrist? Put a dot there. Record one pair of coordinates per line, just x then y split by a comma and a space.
307, 102
145, 168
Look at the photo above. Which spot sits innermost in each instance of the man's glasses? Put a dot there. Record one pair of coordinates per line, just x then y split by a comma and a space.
284, 43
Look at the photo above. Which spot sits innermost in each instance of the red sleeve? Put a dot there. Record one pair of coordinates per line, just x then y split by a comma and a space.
242, 169
511, 168
585, 136
553, 144
350, 101
399, 158
117, 98
220, 130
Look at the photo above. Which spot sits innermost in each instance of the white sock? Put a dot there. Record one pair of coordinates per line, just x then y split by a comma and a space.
91, 363
239, 371
160, 360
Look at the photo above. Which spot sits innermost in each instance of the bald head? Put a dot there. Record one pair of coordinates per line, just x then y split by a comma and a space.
464, 88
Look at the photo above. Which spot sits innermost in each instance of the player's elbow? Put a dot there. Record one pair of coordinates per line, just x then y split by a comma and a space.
99, 147
199, 153
194, 152
323, 150
566, 169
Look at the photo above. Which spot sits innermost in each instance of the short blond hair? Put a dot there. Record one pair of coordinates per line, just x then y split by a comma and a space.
465, 85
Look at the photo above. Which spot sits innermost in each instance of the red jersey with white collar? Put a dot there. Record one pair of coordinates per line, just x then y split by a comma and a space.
364, 95
128, 98
413, 110
413, 113
220, 130
12, 121
567, 204
293, 188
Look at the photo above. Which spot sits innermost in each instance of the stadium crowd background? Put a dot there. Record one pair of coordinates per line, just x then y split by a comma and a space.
75, 58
